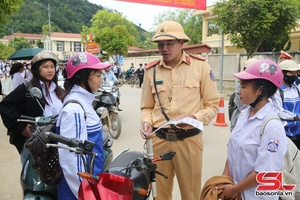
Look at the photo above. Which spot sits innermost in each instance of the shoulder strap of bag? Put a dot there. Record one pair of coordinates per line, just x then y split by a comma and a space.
263, 126
154, 83
75, 101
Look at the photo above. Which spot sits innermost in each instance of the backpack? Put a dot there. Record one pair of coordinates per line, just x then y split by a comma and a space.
46, 159
291, 167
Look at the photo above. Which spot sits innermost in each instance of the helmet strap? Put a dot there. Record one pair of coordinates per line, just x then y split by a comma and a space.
258, 99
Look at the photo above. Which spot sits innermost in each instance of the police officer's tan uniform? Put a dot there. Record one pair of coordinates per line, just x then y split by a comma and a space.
187, 89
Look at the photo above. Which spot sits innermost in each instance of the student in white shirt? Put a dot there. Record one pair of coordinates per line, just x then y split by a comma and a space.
16, 73
84, 77
249, 153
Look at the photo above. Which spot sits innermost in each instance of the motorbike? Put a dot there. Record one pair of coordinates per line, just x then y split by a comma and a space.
125, 78
131, 174
32, 186
105, 103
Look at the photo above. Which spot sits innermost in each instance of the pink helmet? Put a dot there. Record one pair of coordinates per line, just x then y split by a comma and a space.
262, 69
83, 60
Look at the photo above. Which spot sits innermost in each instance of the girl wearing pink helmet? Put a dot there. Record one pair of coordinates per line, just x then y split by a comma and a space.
249, 153
79, 120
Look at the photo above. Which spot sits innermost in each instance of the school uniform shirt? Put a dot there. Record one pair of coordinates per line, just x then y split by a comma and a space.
291, 104
54, 103
72, 124
17, 80
248, 151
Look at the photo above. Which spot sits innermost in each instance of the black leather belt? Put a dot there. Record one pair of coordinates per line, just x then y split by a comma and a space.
176, 134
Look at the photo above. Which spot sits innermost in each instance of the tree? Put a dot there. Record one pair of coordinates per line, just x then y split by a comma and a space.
257, 25
114, 41
5, 51
113, 32
17, 44
8, 8
192, 25
20, 42
104, 18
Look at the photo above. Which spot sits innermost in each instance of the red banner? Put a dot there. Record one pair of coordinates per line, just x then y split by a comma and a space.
193, 4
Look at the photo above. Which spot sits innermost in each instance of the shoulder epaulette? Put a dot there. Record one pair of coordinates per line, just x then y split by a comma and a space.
197, 57
152, 64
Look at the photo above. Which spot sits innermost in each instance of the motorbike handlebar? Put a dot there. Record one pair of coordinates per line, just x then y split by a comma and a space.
71, 142
28, 117
39, 121
86, 146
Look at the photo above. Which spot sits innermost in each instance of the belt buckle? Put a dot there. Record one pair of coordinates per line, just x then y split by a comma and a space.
171, 135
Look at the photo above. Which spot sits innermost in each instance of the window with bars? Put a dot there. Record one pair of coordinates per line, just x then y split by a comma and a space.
60, 46
77, 46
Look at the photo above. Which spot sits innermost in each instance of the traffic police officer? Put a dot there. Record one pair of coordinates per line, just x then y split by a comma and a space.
178, 85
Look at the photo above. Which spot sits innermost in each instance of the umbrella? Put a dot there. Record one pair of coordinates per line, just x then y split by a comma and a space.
25, 54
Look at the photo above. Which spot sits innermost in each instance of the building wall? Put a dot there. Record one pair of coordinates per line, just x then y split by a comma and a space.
232, 63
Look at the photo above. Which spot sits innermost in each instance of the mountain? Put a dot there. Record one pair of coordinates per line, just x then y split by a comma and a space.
65, 15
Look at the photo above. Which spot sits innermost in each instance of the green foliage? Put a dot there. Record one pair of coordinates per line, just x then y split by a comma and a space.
20, 42
66, 16
70, 16
113, 32
13, 46
114, 41
8, 8
146, 43
104, 18
257, 25
5, 51
192, 25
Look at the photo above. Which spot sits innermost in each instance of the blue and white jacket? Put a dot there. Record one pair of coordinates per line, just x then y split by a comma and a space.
290, 104
72, 123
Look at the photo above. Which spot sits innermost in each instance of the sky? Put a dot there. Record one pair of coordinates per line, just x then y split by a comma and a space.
143, 14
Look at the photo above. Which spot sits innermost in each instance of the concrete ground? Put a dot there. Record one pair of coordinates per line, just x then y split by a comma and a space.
214, 137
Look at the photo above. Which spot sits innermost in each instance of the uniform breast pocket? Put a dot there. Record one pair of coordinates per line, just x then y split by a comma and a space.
161, 90
190, 91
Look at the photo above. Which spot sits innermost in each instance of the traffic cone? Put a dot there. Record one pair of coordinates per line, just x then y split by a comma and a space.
221, 115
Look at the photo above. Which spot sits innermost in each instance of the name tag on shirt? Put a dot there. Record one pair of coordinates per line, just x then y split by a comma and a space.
159, 82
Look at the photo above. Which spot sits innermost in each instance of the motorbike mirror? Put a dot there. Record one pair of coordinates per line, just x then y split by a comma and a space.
35, 93
168, 156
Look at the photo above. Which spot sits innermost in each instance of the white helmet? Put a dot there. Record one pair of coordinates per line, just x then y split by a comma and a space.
289, 65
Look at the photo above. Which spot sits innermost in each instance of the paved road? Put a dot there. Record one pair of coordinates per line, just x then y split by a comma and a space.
215, 140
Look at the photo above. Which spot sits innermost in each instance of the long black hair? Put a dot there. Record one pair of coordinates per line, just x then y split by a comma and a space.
79, 78
36, 78
16, 68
